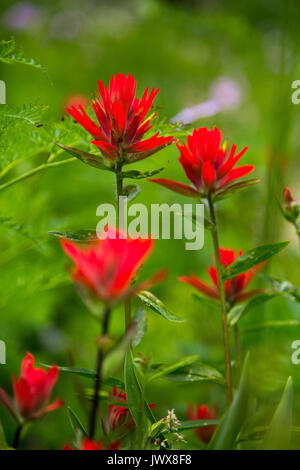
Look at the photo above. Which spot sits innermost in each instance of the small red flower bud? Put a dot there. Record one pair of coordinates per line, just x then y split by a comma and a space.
287, 197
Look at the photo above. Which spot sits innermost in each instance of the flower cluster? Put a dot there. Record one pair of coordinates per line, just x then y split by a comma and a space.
108, 266
32, 391
234, 288
209, 165
122, 121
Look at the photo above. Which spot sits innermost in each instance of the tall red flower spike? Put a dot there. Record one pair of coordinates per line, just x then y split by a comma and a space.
203, 412
234, 288
122, 121
32, 391
119, 414
107, 267
88, 444
208, 165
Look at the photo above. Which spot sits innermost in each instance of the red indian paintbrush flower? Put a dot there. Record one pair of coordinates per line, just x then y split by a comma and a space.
207, 164
88, 444
32, 391
122, 121
118, 414
203, 412
234, 288
107, 267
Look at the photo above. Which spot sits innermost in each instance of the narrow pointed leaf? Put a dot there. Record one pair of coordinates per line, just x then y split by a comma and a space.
140, 319
3, 442
197, 423
278, 435
75, 422
137, 174
239, 311
253, 257
236, 187
166, 369
152, 302
76, 235
232, 422
97, 161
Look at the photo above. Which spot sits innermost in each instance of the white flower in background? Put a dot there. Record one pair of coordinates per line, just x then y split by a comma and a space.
225, 94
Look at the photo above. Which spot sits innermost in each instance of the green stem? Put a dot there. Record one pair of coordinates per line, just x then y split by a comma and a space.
98, 380
17, 436
119, 182
219, 268
238, 351
32, 172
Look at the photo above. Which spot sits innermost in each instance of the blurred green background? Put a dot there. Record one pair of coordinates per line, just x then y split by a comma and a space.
185, 48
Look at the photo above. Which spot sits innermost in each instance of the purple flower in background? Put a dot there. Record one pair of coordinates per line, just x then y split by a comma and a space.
225, 94
22, 16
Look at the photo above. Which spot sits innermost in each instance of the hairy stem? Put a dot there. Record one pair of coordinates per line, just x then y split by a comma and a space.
98, 380
219, 268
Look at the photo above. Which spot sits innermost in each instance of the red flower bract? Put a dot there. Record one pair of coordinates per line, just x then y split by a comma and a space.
208, 165
203, 412
32, 390
108, 266
234, 288
88, 444
122, 121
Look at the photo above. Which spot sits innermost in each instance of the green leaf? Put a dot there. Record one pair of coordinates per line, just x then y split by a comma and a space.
232, 422
75, 422
90, 374
197, 423
137, 174
76, 235
278, 435
251, 258
198, 372
239, 311
236, 187
282, 287
208, 303
96, 161
3, 442
131, 191
165, 369
133, 389
140, 319
152, 302
9, 54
